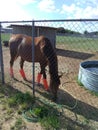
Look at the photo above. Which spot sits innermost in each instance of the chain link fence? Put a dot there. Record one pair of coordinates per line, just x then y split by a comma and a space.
74, 41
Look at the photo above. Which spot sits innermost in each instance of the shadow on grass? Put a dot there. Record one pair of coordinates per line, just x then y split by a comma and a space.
68, 101
65, 122
64, 99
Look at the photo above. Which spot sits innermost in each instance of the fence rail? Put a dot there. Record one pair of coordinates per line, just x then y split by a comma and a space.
72, 47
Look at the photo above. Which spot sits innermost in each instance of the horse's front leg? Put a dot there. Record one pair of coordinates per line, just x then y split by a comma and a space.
42, 72
39, 75
45, 83
21, 69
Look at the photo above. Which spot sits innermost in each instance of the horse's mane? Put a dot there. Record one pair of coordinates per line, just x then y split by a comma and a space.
50, 53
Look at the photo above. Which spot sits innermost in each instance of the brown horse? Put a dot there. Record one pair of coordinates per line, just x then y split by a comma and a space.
21, 45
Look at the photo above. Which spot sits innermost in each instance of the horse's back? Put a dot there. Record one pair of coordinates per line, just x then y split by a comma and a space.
22, 44
22, 38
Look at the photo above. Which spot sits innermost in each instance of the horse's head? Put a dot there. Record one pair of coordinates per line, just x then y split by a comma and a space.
54, 85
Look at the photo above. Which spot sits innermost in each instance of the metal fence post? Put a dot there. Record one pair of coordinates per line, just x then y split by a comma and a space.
1, 59
33, 59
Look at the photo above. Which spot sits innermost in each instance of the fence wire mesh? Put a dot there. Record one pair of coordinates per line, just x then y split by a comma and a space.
74, 41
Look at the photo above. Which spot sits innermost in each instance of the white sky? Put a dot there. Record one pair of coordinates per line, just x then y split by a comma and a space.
48, 9
17, 10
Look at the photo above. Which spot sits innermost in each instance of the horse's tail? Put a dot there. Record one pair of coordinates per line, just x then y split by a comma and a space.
13, 46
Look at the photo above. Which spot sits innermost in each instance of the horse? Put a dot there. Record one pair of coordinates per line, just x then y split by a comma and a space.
44, 54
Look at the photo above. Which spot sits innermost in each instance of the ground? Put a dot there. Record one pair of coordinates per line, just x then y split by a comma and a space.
70, 93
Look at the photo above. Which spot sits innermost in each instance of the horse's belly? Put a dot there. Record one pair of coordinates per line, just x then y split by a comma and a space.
26, 53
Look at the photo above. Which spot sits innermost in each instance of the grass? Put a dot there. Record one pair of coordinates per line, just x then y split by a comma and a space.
50, 122
21, 101
18, 102
92, 92
5, 36
79, 82
78, 43
69, 42
49, 117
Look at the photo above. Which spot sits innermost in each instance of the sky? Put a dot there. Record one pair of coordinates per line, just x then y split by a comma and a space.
11, 10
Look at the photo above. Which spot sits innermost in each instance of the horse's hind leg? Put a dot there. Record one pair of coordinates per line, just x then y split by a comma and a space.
21, 69
11, 67
42, 72
13, 55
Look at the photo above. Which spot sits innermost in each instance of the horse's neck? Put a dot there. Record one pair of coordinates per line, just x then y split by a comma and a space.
53, 67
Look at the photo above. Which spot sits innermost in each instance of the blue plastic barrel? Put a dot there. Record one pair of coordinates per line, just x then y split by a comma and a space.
88, 75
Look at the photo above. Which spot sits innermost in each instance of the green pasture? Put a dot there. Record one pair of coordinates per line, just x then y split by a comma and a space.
5, 36
77, 43
70, 42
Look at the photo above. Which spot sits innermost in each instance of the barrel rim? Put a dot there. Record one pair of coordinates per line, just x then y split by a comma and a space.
89, 61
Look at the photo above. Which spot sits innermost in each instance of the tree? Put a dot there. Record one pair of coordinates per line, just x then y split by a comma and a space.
85, 32
60, 30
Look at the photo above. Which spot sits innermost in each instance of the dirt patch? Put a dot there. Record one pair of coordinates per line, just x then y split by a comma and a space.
70, 93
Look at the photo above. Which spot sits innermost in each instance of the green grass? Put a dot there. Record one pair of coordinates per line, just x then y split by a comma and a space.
46, 115
49, 116
5, 36
20, 102
50, 122
78, 43
92, 92
69, 42
20, 99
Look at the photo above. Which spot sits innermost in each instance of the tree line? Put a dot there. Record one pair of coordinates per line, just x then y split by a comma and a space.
62, 30
66, 31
